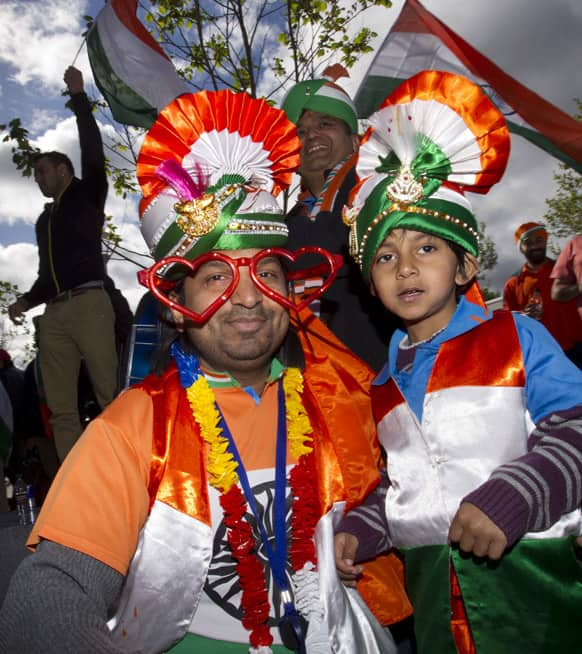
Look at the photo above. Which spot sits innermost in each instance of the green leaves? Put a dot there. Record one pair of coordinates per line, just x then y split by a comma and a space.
240, 45
23, 153
8, 331
564, 215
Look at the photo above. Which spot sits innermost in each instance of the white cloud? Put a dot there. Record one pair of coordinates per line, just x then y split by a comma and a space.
21, 199
39, 39
19, 264
43, 120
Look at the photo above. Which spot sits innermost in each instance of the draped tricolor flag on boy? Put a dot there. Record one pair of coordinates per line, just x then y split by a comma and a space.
419, 41
133, 73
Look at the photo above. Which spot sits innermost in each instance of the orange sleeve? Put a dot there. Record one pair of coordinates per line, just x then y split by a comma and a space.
509, 298
98, 501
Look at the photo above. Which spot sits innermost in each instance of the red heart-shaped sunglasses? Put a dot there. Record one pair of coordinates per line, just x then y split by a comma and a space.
153, 280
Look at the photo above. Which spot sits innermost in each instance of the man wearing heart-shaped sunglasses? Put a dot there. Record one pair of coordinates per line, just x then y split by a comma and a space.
199, 509
234, 305
246, 325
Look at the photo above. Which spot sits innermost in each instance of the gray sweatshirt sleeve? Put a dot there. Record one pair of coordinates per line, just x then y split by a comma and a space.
58, 602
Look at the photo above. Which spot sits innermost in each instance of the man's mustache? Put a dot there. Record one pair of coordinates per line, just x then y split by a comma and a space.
240, 313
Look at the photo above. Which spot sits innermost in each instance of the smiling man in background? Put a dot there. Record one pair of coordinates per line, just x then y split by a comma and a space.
327, 126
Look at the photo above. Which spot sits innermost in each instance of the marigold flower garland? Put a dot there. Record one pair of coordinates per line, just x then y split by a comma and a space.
223, 476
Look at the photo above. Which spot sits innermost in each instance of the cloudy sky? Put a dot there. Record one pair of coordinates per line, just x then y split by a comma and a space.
537, 42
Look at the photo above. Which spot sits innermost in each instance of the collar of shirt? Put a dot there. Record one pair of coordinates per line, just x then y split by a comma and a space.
226, 380
60, 195
466, 317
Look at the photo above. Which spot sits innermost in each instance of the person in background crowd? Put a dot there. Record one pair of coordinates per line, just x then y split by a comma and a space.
12, 378
6, 425
327, 127
13, 382
123, 325
567, 281
36, 438
479, 412
530, 291
198, 508
78, 321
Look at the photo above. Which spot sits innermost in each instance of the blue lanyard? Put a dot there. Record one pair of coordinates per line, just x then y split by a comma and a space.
291, 629
277, 556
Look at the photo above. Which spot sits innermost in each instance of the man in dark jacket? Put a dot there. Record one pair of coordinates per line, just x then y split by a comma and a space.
327, 126
78, 322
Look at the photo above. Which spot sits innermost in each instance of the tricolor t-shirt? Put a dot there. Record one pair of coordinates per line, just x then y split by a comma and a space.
99, 502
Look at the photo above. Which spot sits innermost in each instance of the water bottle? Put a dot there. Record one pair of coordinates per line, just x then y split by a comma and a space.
9, 488
536, 304
32, 509
21, 500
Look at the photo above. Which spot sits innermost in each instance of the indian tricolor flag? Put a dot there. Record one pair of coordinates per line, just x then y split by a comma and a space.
132, 72
419, 41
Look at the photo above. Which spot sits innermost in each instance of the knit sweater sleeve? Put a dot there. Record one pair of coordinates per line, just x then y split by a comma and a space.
531, 492
369, 524
58, 602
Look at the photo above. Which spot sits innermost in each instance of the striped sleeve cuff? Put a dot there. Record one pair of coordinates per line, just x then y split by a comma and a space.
507, 507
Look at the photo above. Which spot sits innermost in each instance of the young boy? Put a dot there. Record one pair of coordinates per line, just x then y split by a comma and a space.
480, 414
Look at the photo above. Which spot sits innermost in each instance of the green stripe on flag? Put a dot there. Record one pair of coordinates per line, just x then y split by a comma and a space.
127, 107
373, 93
542, 142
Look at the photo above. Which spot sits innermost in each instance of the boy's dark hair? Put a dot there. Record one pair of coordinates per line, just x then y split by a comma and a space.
460, 253
56, 158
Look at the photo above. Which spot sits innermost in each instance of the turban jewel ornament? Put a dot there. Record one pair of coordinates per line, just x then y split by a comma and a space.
435, 137
209, 169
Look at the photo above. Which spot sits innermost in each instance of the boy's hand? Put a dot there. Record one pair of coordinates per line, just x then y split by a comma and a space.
476, 533
345, 551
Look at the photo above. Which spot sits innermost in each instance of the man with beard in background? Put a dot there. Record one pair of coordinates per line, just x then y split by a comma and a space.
529, 290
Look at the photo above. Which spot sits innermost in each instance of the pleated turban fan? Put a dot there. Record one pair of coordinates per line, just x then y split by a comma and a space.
434, 137
209, 169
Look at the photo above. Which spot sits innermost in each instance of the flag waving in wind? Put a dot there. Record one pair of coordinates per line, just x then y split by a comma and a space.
132, 72
419, 41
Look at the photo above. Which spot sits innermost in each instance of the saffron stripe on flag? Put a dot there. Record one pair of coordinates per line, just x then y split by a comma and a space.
419, 41
126, 12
